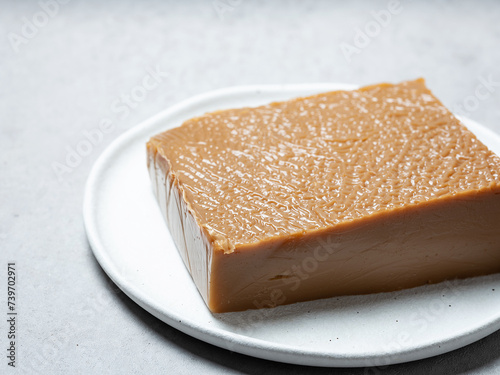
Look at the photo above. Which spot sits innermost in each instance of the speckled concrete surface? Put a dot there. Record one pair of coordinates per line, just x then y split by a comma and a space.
67, 68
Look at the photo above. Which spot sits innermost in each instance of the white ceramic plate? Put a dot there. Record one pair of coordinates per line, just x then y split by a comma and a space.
131, 242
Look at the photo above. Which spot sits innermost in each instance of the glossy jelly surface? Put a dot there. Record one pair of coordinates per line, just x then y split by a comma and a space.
252, 174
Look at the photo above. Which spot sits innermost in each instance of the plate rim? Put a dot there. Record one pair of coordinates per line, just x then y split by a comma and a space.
241, 343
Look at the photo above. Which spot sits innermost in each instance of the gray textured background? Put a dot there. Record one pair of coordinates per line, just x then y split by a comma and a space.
65, 76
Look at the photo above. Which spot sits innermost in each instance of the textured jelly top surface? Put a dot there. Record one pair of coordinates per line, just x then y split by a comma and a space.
309, 163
